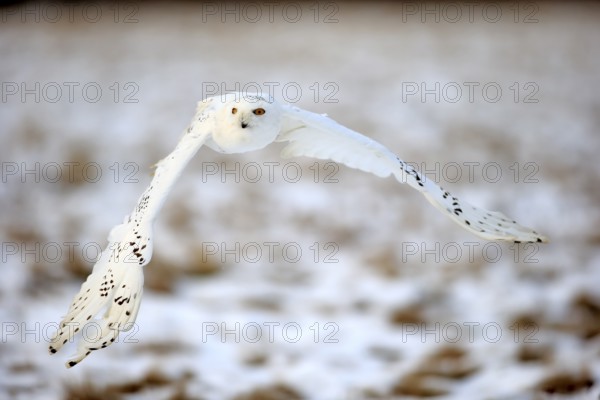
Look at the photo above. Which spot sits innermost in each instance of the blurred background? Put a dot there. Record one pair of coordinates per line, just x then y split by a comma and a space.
302, 279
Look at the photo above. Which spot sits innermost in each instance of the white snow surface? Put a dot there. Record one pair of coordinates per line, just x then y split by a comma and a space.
319, 322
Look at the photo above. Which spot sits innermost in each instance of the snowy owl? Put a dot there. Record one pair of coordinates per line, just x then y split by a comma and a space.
238, 123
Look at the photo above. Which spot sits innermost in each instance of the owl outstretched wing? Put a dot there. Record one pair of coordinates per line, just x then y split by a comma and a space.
117, 279
315, 135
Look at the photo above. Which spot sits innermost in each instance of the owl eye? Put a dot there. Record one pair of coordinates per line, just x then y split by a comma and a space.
234, 110
259, 111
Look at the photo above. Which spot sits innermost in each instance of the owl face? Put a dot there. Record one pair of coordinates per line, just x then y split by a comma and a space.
246, 123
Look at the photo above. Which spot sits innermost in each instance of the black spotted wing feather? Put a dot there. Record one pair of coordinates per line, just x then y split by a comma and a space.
314, 135
116, 282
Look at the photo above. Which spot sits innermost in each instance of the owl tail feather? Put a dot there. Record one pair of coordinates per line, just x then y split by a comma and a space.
116, 288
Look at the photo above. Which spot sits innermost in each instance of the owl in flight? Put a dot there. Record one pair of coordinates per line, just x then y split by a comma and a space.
238, 123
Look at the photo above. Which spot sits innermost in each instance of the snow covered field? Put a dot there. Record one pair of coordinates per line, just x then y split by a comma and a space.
288, 279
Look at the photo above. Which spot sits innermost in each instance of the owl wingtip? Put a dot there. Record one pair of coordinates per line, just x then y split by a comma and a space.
542, 239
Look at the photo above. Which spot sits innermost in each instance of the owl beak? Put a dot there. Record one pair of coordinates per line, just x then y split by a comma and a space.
243, 122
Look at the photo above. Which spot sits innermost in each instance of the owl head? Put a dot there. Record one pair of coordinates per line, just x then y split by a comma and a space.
246, 122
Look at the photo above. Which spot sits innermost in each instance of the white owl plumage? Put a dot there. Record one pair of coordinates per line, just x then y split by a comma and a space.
238, 123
